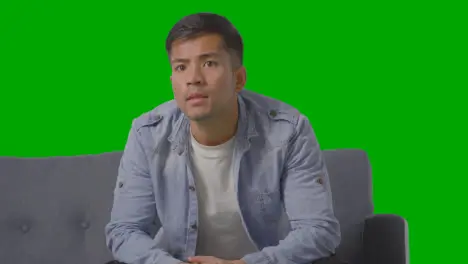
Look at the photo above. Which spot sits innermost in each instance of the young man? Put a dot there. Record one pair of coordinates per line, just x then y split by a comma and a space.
220, 174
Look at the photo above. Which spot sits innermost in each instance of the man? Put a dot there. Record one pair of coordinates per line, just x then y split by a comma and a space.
220, 174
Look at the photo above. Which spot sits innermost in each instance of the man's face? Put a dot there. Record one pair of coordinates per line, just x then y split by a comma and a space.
203, 79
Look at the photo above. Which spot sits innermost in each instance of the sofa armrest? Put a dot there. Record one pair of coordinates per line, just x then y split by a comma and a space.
333, 259
386, 240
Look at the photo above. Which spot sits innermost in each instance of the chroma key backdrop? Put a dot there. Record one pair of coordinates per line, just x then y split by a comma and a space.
385, 77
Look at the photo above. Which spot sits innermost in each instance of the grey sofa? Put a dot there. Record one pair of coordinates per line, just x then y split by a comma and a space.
53, 210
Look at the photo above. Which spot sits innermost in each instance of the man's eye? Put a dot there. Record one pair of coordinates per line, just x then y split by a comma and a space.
210, 63
179, 68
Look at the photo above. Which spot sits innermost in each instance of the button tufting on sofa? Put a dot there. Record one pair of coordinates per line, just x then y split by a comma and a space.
85, 224
25, 228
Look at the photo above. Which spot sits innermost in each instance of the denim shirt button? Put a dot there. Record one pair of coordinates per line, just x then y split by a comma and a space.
320, 181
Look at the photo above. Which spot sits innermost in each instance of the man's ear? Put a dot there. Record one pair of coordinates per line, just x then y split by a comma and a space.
241, 78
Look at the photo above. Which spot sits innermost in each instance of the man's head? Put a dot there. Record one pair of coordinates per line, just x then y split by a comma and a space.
206, 55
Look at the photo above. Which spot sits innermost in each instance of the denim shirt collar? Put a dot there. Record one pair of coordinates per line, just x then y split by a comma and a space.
246, 129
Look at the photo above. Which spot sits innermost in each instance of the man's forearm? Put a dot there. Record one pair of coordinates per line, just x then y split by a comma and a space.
136, 247
303, 245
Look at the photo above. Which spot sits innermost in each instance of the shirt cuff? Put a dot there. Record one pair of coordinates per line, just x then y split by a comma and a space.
257, 258
167, 259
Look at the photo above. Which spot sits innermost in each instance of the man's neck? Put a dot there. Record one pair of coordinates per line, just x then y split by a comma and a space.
215, 131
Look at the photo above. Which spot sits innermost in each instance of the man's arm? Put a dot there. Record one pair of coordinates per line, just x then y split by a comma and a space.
315, 231
134, 210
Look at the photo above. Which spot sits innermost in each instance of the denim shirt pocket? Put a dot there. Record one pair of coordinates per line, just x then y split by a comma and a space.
266, 204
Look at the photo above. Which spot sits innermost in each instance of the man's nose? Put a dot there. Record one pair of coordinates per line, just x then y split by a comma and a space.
195, 76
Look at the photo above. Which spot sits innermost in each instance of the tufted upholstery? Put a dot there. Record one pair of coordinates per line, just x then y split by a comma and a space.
53, 210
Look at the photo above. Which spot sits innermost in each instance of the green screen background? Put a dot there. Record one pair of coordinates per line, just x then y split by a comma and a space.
388, 78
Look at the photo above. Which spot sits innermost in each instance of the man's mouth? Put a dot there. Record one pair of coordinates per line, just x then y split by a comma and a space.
196, 96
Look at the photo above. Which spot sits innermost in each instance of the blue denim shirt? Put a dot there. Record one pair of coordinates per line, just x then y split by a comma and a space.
282, 188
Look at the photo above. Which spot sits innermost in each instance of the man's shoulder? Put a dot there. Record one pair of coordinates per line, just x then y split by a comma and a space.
274, 108
166, 112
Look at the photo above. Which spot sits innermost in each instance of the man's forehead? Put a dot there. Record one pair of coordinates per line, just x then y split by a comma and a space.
203, 46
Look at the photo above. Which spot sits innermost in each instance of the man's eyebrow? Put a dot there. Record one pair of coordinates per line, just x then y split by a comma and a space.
202, 56
209, 54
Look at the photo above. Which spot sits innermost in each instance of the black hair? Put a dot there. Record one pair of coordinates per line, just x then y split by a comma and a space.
198, 24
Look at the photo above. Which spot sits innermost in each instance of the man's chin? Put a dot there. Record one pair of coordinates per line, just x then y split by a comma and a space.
199, 117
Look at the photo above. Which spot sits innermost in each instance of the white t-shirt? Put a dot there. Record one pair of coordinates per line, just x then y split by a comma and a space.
220, 230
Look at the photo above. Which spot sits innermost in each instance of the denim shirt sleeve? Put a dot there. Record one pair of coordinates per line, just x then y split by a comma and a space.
134, 210
307, 198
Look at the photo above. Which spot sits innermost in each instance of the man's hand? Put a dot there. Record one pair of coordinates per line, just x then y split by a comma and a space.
213, 260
